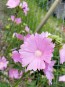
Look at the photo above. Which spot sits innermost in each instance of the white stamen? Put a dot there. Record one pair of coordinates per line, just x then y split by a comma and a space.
38, 53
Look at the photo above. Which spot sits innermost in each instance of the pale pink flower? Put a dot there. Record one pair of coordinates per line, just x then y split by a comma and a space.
36, 52
13, 3
19, 36
12, 18
45, 34
15, 74
18, 20
62, 78
49, 71
16, 56
27, 36
3, 63
62, 54
24, 6
27, 29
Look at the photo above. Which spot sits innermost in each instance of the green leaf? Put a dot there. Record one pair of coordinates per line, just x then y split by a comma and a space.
2, 84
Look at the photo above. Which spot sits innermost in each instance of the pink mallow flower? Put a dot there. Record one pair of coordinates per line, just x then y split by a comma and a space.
27, 29
49, 71
36, 52
62, 78
19, 36
12, 3
16, 20
15, 74
3, 63
12, 18
27, 36
16, 56
62, 54
24, 6
45, 34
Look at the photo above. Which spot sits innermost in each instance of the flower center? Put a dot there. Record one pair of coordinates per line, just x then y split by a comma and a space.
38, 53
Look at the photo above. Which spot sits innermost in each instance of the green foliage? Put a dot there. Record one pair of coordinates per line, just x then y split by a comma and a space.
31, 84
57, 40
42, 3
2, 84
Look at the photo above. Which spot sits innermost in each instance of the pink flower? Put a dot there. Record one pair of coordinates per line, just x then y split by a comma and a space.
49, 71
27, 36
62, 54
27, 29
13, 3
62, 78
19, 36
3, 63
45, 34
12, 18
16, 57
36, 52
16, 20
24, 6
15, 74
